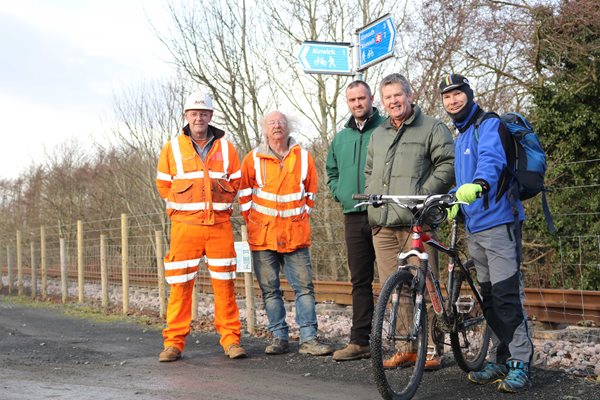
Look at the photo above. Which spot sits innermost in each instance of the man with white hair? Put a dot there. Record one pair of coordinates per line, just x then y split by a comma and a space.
277, 194
198, 176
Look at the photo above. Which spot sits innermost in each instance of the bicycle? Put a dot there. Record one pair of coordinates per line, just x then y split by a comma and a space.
459, 314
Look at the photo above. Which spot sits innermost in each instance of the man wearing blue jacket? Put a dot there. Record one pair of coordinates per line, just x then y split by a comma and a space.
345, 172
493, 221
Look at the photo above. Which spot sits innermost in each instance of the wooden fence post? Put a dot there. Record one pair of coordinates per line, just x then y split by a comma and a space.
103, 272
19, 265
124, 262
249, 290
80, 283
1, 282
33, 272
43, 262
162, 289
195, 299
63, 270
9, 267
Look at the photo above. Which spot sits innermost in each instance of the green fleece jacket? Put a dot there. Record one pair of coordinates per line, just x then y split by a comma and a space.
346, 161
416, 159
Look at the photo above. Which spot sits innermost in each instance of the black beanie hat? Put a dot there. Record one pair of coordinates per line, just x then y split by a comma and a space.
458, 82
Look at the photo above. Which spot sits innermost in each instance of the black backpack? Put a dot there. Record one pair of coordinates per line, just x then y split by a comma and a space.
526, 159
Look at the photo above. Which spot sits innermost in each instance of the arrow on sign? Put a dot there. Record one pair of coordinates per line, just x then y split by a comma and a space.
325, 58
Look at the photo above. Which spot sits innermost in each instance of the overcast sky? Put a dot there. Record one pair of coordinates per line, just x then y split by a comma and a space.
62, 61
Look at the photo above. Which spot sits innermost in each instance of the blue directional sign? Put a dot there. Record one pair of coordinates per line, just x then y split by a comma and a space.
325, 58
376, 41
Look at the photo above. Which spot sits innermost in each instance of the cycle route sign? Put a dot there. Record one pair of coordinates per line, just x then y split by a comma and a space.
325, 58
376, 42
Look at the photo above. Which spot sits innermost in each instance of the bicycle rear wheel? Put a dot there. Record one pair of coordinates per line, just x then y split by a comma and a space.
471, 338
390, 335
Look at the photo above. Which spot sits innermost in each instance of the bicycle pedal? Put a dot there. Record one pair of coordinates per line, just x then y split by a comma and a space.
464, 304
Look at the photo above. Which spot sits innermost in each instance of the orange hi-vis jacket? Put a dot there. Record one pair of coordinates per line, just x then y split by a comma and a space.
276, 198
197, 192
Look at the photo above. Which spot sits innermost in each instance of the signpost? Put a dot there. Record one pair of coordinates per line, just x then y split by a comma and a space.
325, 58
376, 42
372, 44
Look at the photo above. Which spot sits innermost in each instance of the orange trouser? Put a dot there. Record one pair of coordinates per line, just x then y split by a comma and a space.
189, 243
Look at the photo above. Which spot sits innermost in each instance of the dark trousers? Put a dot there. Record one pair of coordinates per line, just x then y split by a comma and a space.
361, 259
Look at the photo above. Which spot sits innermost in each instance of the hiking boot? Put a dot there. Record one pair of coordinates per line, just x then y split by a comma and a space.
492, 373
278, 346
352, 352
433, 364
315, 348
235, 351
400, 360
517, 379
169, 354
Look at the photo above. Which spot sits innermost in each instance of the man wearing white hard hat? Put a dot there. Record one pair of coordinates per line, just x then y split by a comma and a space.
199, 176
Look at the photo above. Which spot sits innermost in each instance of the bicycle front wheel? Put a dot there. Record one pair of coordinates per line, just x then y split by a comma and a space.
398, 339
471, 337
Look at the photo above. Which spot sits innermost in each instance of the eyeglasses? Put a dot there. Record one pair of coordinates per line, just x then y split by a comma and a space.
200, 114
281, 122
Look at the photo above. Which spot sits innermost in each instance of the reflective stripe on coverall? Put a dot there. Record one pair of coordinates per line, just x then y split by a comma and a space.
199, 198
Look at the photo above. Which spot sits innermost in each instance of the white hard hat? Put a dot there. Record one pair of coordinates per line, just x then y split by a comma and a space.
198, 101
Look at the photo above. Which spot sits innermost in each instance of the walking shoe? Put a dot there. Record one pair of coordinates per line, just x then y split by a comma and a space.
433, 364
352, 352
235, 351
277, 346
492, 373
400, 360
169, 354
315, 348
517, 379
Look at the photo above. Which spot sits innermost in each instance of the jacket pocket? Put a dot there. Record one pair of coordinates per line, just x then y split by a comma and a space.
257, 231
181, 191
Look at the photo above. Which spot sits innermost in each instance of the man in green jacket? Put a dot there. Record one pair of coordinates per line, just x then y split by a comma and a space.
345, 173
409, 154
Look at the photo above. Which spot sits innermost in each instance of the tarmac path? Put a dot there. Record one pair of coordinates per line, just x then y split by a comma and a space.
46, 354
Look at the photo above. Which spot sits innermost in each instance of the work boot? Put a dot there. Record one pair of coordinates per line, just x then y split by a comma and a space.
315, 348
235, 351
277, 346
400, 360
352, 352
517, 379
492, 373
169, 354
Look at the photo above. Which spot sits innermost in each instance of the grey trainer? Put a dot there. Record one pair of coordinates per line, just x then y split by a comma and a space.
315, 347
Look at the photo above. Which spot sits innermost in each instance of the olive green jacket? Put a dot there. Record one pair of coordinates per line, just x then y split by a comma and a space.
417, 158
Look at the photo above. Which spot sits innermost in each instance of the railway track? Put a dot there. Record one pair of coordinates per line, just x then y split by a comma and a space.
547, 305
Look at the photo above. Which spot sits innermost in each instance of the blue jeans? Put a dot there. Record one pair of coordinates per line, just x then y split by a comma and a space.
298, 271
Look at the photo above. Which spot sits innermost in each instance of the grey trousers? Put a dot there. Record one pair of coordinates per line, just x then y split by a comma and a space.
496, 256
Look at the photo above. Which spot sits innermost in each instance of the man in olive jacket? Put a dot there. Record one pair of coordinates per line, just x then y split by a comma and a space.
345, 172
409, 154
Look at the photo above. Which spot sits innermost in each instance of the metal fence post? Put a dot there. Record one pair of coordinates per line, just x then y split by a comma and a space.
103, 272
80, 283
162, 289
249, 291
33, 272
19, 265
44, 287
9, 267
63, 270
124, 262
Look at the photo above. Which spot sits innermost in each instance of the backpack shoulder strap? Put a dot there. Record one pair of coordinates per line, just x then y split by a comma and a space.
482, 116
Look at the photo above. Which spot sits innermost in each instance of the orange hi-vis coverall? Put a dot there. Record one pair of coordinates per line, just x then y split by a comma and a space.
276, 198
199, 197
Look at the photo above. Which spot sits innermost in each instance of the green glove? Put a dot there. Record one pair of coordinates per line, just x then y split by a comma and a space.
468, 192
452, 211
